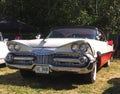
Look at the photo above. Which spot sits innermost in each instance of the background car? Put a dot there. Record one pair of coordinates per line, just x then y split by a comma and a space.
74, 49
3, 49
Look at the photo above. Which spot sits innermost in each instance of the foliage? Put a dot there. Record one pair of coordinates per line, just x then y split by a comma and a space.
45, 14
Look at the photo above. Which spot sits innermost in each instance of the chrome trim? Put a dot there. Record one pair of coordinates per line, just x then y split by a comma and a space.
70, 69
66, 60
23, 58
16, 66
54, 68
31, 66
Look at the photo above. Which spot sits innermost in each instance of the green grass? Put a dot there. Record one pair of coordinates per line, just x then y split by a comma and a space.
108, 82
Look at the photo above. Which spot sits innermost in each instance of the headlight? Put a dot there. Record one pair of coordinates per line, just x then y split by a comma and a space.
83, 47
79, 47
11, 47
75, 47
17, 47
14, 47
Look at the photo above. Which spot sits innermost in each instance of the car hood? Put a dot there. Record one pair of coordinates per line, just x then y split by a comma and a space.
53, 42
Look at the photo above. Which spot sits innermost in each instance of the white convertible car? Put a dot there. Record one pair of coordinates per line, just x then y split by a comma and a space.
75, 49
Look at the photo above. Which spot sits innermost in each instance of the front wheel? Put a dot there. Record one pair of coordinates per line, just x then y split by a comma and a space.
91, 77
107, 64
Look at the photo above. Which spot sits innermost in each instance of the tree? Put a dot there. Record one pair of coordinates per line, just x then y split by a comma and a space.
45, 14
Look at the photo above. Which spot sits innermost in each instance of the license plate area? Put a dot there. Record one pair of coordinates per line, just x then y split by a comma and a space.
42, 69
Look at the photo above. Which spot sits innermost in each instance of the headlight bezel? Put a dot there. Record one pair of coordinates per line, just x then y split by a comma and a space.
79, 47
14, 47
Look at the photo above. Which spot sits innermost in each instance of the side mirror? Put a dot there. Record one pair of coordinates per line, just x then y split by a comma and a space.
97, 37
38, 36
110, 42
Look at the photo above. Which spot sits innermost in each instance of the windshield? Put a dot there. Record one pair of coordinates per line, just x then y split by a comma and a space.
73, 33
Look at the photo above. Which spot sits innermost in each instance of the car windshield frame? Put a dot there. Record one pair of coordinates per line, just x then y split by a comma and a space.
73, 33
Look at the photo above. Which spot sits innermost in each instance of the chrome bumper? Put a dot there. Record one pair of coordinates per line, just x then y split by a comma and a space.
55, 68
82, 70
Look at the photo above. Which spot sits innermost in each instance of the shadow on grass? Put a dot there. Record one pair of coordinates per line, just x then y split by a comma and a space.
116, 86
57, 82
2, 65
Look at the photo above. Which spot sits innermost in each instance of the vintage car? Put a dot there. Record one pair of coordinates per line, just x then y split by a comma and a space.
74, 49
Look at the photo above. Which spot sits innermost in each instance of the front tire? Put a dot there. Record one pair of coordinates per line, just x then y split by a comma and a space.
107, 64
27, 73
91, 77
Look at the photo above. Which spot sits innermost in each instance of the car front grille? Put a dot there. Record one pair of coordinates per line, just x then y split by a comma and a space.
66, 64
44, 59
41, 58
48, 59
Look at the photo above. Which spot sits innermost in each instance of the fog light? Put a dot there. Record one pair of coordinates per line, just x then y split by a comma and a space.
83, 60
10, 58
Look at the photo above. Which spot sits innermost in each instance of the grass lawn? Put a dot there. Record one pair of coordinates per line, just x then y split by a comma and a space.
108, 82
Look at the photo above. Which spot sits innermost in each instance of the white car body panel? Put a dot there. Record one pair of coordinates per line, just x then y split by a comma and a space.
3, 51
50, 43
